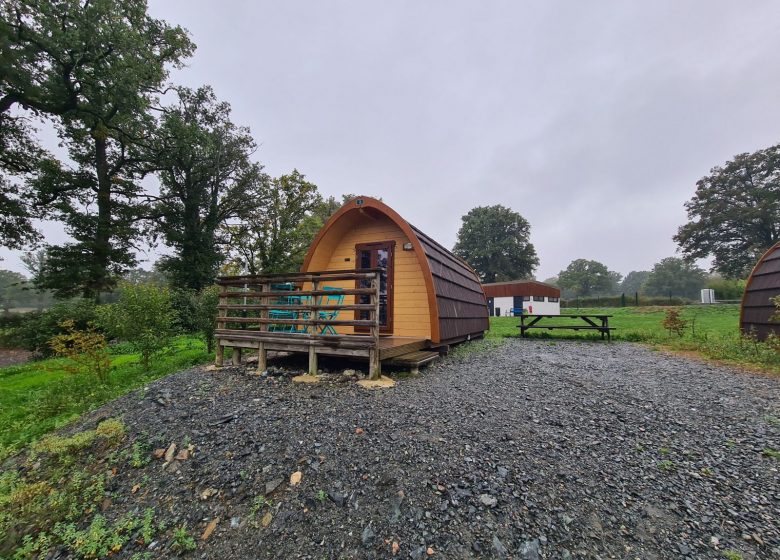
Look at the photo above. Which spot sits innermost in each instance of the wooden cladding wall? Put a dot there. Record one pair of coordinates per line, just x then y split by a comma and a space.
411, 314
461, 302
763, 284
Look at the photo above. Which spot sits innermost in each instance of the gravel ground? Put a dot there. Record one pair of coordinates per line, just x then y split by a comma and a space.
535, 449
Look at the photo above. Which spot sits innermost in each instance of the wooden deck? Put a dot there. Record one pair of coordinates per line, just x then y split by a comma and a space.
275, 313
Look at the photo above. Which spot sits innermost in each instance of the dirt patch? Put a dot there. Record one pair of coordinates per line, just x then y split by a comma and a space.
13, 356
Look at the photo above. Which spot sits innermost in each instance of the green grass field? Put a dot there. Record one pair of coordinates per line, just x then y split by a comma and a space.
38, 397
712, 331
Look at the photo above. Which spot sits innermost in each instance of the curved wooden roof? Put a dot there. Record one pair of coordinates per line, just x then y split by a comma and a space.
763, 284
456, 302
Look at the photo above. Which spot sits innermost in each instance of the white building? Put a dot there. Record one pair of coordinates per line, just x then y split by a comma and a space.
508, 298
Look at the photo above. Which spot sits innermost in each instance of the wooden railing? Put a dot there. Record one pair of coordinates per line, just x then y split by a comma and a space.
256, 309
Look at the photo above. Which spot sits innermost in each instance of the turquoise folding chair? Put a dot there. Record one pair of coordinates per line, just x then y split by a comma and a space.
335, 298
283, 313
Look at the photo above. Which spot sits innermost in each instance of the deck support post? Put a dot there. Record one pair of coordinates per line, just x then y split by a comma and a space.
262, 358
237, 355
312, 360
374, 359
219, 354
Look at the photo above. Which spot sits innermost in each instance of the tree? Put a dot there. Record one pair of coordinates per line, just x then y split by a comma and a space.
587, 278
726, 288
206, 178
633, 281
676, 277
735, 214
12, 285
143, 316
97, 67
495, 241
277, 236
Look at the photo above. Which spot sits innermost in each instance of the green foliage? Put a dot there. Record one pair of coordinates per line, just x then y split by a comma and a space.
321, 496
96, 76
86, 351
730, 554
771, 453
496, 242
139, 455
206, 314
196, 312
39, 397
39, 507
676, 277
276, 236
182, 541
734, 214
634, 281
206, 178
143, 317
621, 301
666, 465
674, 323
585, 278
37, 329
258, 504
725, 288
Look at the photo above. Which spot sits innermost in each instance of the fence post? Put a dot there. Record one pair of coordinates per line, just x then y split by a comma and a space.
623, 299
374, 361
636, 298
315, 285
219, 354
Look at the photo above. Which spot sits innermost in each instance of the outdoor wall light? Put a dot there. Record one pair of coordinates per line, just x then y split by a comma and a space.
407, 246
359, 202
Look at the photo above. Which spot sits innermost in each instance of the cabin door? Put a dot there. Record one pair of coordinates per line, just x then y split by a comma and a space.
377, 255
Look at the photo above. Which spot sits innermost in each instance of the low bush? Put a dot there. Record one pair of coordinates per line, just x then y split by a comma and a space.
143, 317
86, 351
35, 330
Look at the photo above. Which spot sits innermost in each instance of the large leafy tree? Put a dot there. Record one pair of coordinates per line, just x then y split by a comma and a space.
634, 281
96, 67
276, 237
735, 213
587, 278
676, 277
206, 179
495, 241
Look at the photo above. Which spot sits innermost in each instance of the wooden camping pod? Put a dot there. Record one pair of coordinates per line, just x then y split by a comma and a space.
762, 285
429, 292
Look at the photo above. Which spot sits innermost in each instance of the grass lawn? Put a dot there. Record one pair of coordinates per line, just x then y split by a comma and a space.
38, 397
712, 331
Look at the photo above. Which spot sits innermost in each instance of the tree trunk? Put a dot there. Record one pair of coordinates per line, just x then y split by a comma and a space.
102, 242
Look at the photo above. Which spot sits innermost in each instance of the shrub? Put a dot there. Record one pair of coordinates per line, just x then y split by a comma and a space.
143, 317
185, 306
196, 312
206, 314
37, 329
86, 351
674, 323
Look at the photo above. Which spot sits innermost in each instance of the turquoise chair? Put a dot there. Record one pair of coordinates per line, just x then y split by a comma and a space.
336, 298
283, 313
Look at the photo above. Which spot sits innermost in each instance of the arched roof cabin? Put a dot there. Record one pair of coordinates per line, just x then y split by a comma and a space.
762, 285
426, 291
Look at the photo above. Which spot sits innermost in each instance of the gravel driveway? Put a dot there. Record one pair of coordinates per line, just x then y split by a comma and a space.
536, 449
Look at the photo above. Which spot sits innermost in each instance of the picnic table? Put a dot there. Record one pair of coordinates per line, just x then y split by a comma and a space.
589, 322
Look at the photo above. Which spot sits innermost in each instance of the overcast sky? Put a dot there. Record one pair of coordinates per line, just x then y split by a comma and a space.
594, 120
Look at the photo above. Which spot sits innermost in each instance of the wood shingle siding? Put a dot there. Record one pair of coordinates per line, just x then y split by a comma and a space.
763, 284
